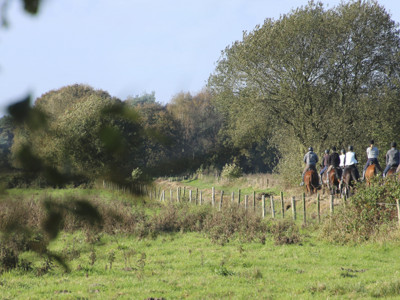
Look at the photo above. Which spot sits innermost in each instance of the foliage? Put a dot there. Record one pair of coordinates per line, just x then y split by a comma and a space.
86, 132
371, 214
231, 171
311, 78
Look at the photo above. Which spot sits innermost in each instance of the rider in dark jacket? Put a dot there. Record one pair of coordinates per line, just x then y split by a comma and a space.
392, 158
310, 159
334, 162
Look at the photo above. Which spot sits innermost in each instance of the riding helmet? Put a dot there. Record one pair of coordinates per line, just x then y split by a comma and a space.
333, 148
310, 149
350, 148
394, 144
343, 151
326, 151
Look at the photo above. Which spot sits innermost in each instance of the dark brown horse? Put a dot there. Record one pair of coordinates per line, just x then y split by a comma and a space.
347, 182
311, 181
392, 171
333, 182
370, 172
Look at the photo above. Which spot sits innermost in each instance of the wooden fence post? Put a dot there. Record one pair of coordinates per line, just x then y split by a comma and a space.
254, 201
239, 197
213, 196
282, 206
398, 210
178, 192
331, 204
220, 202
263, 206
246, 201
318, 209
272, 206
190, 196
233, 197
197, 195
304, 209
294, 208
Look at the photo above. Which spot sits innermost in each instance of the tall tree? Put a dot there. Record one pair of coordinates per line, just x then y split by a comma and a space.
312, 73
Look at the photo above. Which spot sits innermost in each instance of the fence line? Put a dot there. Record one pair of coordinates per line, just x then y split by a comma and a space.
151, 192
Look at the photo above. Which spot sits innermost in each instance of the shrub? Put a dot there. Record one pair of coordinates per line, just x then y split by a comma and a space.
231, 171
371, 211
285, 232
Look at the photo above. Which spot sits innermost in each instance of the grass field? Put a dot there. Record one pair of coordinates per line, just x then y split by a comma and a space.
190, 265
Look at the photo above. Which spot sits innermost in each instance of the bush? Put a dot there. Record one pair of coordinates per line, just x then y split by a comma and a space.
285, 232
371, 211
231, 171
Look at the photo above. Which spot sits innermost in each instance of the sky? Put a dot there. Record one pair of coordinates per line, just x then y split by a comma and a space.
127, 47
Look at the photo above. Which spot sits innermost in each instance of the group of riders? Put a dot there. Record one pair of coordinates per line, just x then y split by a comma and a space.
348, 160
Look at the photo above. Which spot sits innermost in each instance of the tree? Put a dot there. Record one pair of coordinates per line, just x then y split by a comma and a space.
312, 74
88, 132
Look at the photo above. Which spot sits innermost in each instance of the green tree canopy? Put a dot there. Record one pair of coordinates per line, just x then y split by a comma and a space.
88, 132
312, 78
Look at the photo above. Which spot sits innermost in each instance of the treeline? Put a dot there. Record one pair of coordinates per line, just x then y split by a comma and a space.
85, 134
315, 77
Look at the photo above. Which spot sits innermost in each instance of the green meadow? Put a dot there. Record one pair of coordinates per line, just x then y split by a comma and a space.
193, 264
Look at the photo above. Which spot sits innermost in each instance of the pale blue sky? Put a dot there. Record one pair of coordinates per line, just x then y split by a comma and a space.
128, 47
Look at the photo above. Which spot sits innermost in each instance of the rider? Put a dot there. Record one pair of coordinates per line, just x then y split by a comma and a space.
392, 158
325, 163
334, 162
350, 163
342, 158
310, 159
372, 155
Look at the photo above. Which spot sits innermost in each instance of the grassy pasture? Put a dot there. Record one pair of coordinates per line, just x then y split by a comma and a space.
188, 265
191, 265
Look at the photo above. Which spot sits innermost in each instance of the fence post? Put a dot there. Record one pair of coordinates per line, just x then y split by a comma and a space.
220, 202
331, 204
254, 201
263, 206
239, 197
213, 196
304, 209
282, 205
246, 201
190, 196
170, 195
197, 195
272, 206
233, 197
398, 210
294, 208
318, 209
178, 192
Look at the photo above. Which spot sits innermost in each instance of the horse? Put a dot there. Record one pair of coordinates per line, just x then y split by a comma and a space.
325, 181
392, 171
311, 181
333, 182
370, 172
347, 182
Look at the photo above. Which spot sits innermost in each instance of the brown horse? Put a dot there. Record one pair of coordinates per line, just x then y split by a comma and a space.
392, 171
333, 182
370, 172
311, 181
347, 182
